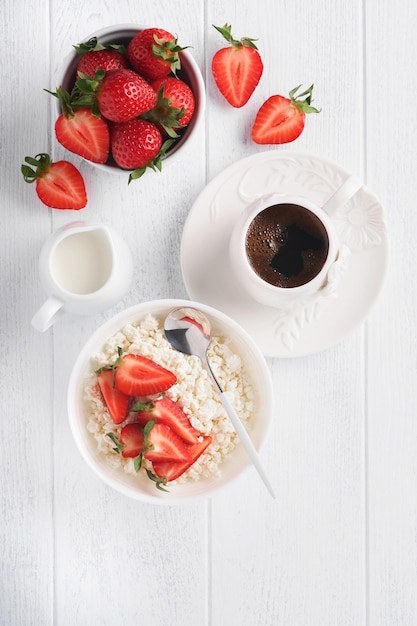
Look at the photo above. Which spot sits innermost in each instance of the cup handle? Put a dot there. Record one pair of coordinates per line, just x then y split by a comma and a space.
345, 192
47, 314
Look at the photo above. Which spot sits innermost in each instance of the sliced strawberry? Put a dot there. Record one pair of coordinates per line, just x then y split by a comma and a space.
79, 130
59, 184
132, 438
236, 69
85, 134
281, 120
166, 411
137, 375
164, 444
116, 401
170, 470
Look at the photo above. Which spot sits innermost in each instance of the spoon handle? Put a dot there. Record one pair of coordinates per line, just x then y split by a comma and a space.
246, 440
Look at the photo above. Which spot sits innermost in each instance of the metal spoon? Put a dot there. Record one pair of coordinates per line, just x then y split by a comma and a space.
188, 330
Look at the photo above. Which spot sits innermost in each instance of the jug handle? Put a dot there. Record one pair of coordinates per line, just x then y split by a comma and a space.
47, 314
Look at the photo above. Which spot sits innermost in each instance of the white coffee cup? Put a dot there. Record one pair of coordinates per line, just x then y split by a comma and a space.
85, 269
261, 270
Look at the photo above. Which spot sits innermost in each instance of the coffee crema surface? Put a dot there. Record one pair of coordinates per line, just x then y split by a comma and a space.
287, 245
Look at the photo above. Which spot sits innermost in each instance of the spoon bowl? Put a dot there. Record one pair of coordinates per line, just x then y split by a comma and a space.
188, 330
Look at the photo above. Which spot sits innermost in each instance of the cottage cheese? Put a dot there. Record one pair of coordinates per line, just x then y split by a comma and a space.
193, 391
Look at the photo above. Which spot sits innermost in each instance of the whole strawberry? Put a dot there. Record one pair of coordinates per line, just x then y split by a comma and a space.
173, 92
106, 60
123, 95
154, 53
135, 145
95, 56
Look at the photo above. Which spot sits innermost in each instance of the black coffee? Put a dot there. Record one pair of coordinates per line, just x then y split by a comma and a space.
287, 245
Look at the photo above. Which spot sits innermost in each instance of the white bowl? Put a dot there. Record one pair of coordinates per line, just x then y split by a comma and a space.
138, 486
189, 73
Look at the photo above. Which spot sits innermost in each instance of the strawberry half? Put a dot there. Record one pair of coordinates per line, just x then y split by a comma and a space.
116, 402
137, 375
79, 130
84, 134
59, 184
281, 120
170, 470
236, 69
132, 437
164, 444
166, 411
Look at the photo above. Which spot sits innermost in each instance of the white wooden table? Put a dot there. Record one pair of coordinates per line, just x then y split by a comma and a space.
338, 546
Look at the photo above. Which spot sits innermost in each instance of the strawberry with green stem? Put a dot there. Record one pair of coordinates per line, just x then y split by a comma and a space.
96, 56
80, 130
236, 69
175, 105
59, 184
137, 145
280, 119
154, 53
119, 95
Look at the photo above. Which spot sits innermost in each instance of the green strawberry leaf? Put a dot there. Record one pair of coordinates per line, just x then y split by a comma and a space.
303, 105
41, 162
226, 32
146, 444
93, 45
160, 482
155, 165
142, 406
118, 444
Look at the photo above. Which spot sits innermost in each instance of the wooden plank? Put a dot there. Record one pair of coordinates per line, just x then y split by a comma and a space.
392, 373
26, 472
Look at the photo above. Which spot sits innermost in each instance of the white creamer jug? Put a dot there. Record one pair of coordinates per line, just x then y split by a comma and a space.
85, 269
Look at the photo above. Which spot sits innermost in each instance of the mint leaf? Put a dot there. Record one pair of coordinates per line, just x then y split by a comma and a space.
145, 446
118, 444
159, 482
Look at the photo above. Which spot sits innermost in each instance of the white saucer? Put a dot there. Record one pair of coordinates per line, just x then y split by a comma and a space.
206, 270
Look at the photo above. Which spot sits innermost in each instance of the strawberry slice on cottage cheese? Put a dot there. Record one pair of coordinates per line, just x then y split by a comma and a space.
137, 375
170, 470
166, 411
